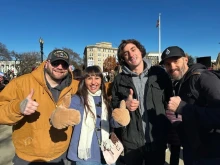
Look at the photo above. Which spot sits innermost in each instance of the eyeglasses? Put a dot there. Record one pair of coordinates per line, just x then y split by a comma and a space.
57, 63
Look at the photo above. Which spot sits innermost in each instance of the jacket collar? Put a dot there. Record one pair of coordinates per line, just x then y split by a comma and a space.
39, 76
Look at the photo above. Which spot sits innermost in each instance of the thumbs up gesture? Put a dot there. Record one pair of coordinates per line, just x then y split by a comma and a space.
28, 106
132, 104
63, 116
121, 114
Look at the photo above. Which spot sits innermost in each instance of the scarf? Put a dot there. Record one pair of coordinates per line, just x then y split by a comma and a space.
88, 127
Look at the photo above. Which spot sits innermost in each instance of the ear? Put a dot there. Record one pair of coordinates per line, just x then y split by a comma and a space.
46, 64
186, 59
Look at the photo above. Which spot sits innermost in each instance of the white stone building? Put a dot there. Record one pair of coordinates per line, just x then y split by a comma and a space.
155, 57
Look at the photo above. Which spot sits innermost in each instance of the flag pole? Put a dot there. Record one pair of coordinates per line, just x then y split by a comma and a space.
159, 28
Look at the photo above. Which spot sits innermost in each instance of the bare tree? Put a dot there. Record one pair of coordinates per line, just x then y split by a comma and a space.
75, 58
28, 61
4, 53
16, 56
109, 64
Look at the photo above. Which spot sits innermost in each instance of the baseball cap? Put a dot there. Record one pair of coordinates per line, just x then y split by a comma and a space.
172, 51
58, 54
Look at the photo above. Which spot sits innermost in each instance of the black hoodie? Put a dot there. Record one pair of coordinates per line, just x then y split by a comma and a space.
201, 115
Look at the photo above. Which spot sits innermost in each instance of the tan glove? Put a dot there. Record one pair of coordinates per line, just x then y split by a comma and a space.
63, 117
121, 114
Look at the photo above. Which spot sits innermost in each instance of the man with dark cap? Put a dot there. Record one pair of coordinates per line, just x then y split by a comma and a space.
197, 100
27, 103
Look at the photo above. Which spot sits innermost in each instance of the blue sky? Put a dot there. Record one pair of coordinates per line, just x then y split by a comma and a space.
193, 25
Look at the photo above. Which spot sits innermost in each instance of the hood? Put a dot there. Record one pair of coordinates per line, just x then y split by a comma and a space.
192, 69
147, 65
38, 74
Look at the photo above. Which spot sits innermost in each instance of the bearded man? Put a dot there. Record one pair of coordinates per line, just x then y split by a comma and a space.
27, 103
197, 99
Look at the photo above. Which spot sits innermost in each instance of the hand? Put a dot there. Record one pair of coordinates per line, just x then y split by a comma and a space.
172, 116
28, 106
63, 117
132, 104
121, 114
173, 104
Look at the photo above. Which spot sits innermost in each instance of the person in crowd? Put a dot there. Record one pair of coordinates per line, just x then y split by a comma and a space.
77, 74
146, 90
197, 100
111, 76
2, 79
92, 102
27, 103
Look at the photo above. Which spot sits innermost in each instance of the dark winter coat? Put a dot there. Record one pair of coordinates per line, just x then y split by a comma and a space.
158, 90
201, 114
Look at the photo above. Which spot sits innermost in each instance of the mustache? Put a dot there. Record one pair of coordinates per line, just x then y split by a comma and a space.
173, 70
59, 70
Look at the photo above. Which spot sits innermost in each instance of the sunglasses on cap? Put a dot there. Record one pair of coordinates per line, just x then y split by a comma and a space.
60, 62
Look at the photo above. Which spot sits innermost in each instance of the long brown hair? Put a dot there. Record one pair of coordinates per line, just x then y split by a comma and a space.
83, 91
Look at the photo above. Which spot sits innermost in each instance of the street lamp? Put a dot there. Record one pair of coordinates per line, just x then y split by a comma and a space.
41, 41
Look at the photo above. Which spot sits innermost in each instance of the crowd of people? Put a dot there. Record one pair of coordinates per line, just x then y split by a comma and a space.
64, 117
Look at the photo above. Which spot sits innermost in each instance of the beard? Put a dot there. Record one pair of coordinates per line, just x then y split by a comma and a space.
177, 77
53, 77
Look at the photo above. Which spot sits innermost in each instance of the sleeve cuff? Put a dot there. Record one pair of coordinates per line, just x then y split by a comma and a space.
180, 107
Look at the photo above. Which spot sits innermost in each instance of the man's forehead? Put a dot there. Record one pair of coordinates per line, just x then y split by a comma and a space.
129, 47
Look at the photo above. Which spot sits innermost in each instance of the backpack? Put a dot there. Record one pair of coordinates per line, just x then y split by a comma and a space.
195, 92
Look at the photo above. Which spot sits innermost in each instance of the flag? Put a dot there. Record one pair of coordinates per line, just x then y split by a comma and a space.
158, 23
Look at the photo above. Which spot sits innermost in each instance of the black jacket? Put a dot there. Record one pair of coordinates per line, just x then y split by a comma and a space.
158, 89
201, 114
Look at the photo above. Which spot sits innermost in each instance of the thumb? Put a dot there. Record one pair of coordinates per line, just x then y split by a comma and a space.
122, 105
30, 94
130, 96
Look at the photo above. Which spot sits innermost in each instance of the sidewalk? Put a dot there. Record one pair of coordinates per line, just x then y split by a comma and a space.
7, 148
6, 145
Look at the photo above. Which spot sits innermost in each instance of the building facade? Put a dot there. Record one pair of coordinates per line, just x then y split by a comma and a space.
96, 54
155, 57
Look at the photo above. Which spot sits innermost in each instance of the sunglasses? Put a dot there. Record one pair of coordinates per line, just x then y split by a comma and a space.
60, 62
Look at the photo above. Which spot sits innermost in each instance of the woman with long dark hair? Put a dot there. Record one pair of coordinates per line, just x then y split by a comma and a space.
92, 102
